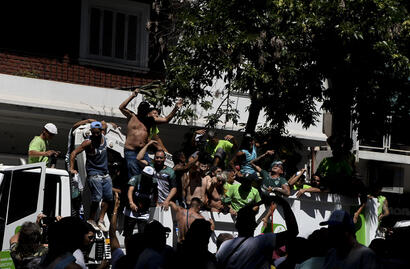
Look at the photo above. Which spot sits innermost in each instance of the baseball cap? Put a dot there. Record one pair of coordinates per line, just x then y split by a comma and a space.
275, 163
339, 218
148, 170
155, 227
96, 125
51, 128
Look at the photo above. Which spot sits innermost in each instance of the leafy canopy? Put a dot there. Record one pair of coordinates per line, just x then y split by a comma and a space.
280, 53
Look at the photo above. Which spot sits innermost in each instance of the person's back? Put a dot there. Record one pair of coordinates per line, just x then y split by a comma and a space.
358, 257
253, 252
247, 251
346, 252
194, 249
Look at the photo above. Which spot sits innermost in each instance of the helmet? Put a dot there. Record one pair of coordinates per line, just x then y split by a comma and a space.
51, 128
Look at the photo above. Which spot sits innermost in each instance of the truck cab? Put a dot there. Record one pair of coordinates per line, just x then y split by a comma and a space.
28, 190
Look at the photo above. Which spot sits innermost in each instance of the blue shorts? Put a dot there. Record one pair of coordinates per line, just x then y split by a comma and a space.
132, 164
100, 187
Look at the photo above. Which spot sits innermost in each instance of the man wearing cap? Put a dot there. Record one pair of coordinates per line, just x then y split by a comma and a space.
164, 176
157, 254
272, 182
347, 252
138, 130
243, 194
96, 166
141, 196
38, 148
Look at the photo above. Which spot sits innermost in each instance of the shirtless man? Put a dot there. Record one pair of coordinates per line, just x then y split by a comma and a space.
138, 128
185, 217
215, 191
194, 182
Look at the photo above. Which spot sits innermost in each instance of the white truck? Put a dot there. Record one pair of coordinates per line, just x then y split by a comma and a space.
28, 190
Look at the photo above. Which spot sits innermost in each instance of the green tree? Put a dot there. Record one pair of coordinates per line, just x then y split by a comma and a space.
280, 52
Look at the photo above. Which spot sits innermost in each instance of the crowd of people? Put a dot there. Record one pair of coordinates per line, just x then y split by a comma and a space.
215, 174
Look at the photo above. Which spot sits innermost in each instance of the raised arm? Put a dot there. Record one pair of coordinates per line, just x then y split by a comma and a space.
232, 139
123, 107
77, 151
253, 162
292, 229
197, 132
174, 111
187, 166
265, 219
311, 189
235, 157
81, 122
115, 244
296, 177
141, 154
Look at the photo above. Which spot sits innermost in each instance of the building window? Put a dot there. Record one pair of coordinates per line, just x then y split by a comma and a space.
113, 34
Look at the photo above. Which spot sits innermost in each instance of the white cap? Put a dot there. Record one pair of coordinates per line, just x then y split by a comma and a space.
51, 128
148, 170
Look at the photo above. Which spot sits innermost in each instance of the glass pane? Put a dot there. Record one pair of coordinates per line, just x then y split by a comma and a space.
23, 195
107, 33
399, 139
119, 36
95, 31
132, 38
50, 195
4, 196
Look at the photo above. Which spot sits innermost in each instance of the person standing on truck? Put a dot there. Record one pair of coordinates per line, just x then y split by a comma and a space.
96, 166
163, 175
138, 130
38, 149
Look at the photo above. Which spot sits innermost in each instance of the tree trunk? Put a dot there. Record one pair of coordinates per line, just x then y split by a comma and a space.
254, 111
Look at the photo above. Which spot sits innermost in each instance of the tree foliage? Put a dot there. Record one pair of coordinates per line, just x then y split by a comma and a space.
280, 52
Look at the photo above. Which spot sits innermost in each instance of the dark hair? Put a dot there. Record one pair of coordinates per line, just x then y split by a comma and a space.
143, 109
204, 158
64, 236
245, 221
222, 238
246, 140
176, 157
29, 239
196, 200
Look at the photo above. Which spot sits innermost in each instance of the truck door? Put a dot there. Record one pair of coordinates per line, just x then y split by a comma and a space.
20, 198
